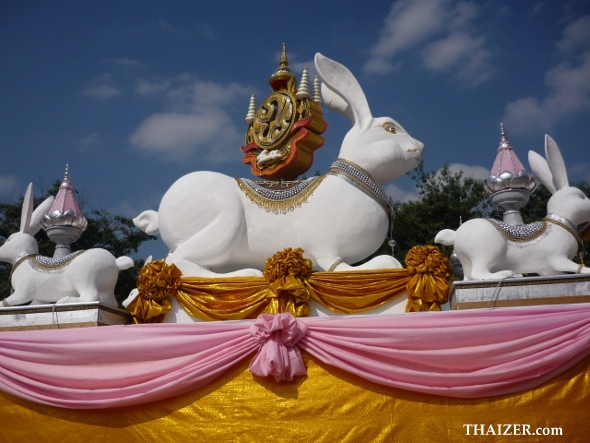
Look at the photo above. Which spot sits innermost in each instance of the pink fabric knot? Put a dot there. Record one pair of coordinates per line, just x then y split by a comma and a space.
278, 354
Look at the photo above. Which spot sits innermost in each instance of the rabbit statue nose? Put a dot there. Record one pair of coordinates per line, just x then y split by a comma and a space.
418, 147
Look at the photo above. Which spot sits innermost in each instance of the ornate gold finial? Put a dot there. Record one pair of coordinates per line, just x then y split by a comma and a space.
303, 90
286, 129
283, 74
316, 95
284, 63
251, 115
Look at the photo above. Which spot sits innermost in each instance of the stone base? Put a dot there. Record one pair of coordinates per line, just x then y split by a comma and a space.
525, 291
61, 316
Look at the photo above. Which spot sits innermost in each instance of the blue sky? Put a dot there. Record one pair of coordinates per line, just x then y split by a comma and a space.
135, 94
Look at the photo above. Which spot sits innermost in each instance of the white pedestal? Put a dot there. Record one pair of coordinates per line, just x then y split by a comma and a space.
67, 315
525, 291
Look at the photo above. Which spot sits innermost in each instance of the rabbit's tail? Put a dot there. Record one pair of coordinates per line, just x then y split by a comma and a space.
124, 262
445, 237
148, 222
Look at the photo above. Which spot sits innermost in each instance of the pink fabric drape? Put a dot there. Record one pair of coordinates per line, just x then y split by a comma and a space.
118, 365
278, 356
466, 354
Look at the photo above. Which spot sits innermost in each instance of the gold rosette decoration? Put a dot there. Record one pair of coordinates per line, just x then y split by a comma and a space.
288, 284
428, 287
157, 282
286, 272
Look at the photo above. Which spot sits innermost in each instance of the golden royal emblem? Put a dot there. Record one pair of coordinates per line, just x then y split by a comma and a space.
285, 131
274, 119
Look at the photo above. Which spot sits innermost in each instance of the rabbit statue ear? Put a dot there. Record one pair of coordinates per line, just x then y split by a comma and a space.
541, 170
340, 83
27, 211
556, 164
38, 213
335, 102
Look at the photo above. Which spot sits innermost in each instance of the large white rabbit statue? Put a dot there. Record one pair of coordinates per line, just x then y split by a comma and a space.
546, 248
212, 227
83, 276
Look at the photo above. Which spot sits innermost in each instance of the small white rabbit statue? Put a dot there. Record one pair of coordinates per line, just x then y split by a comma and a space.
211, 226
83, 276
487, 252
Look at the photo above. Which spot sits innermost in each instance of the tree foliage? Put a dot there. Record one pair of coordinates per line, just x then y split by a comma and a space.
446, 199
114, 233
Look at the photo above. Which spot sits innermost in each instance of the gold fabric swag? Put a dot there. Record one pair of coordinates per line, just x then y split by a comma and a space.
288, 285
326, 407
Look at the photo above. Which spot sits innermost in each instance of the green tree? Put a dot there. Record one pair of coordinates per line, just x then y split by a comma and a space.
536, 208
446, 199
114, 233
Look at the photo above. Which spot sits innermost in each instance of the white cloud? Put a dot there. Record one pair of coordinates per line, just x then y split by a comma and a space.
462, 14
297, 69
462, 54
443, 31
399, 195
102, 88
407, 24
214, 94
7, 183
102, 92
125, 62
527, 115
145, 88
197, 120
540, 7
576, 36
207, 31
568, 85
89, 143
178, 136
166, 27
477, 172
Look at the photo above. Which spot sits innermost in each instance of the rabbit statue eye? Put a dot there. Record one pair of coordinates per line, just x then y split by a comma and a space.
389, 127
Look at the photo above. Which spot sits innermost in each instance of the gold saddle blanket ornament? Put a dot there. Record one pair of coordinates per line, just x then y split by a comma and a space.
279, 196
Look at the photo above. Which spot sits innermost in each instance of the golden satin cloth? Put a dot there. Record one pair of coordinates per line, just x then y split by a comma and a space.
326, 406
288, 285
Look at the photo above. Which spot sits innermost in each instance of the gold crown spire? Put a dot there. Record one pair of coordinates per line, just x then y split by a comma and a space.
283, 73
286, 129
